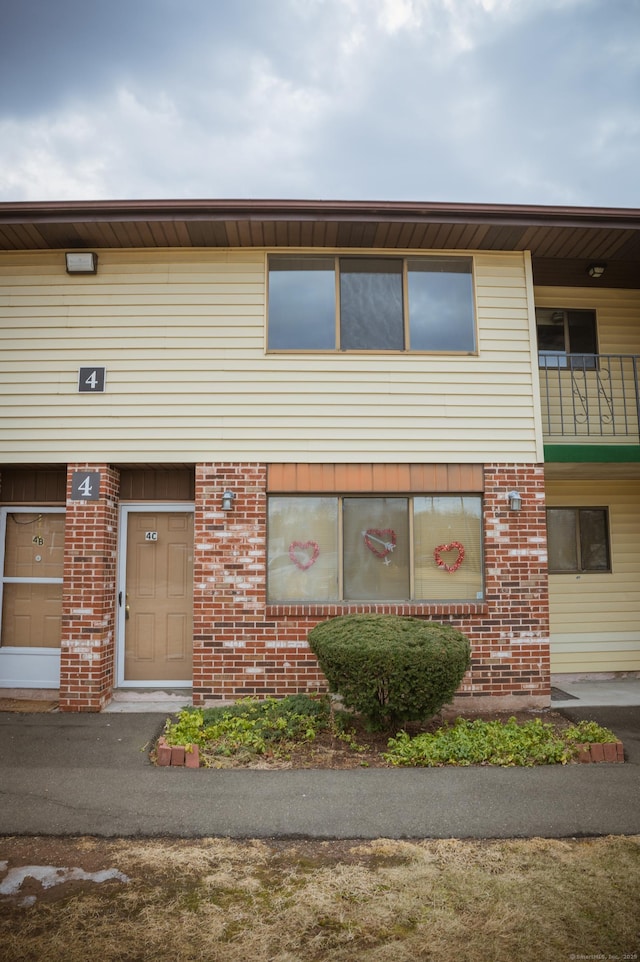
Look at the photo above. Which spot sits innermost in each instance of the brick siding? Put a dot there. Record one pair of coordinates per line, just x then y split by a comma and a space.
87, 655
243, 646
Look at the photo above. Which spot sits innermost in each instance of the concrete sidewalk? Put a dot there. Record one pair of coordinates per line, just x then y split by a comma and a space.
77, 774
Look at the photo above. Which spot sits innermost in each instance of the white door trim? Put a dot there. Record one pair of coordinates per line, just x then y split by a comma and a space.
26, 667
121, 590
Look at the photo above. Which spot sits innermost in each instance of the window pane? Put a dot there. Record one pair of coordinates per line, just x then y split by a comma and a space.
582, 332
376, 549
302, 303
31, 615
438, 522
34, 545
562, 539
441, 316
594, 548
371, 314
551, 335
303, 549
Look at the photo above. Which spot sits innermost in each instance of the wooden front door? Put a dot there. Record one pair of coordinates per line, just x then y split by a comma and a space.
158, 597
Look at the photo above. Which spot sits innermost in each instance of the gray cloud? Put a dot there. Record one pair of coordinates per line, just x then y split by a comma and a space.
534, 101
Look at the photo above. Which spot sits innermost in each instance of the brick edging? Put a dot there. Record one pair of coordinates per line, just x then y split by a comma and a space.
600, 752
178, 756
181, 756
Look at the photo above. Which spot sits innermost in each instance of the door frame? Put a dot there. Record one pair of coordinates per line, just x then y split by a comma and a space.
121, 588
27, 667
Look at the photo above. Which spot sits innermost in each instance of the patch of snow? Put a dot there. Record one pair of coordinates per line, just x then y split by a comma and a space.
49, 875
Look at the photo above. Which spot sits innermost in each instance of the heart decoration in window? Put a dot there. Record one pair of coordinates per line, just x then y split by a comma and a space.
304, 553
444, 549
380, 541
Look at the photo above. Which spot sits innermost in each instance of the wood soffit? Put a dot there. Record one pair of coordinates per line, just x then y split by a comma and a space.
563, 240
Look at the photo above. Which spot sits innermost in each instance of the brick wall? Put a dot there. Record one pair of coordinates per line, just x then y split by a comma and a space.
242, 646
87, 656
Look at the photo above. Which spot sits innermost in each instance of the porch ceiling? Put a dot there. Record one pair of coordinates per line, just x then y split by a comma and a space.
563, 240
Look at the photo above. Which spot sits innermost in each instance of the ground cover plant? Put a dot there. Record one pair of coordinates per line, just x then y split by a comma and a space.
530, 900
309, 732
496, 742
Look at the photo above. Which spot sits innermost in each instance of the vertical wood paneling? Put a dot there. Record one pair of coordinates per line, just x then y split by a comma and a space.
375, 478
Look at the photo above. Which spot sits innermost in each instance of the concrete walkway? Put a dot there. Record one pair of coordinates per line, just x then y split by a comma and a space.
76, 774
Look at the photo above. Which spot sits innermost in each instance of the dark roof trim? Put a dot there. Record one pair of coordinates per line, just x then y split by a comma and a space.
316, 210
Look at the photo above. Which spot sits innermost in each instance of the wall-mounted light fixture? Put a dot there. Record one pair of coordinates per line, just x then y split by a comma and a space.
596, 270
228, 498
81, 262
515, 500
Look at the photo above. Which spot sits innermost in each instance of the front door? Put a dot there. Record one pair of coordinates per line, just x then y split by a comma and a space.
31, 563
156, 597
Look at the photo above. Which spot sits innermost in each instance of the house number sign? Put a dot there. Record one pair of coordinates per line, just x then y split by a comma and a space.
85, 486
91, 380
151, 536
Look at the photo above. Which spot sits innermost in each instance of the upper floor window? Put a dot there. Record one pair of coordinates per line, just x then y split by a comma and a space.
355, 303
566, 338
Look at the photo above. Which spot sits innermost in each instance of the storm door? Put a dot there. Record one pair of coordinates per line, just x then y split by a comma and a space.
31, 562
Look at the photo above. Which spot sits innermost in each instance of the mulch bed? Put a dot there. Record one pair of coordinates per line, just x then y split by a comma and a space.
327, 751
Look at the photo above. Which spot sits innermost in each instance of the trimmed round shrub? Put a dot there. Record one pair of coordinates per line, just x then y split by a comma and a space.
389, 668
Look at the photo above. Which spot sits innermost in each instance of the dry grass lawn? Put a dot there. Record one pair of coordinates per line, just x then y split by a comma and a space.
216, 900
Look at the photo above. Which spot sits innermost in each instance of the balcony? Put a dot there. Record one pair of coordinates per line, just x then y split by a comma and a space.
590, 397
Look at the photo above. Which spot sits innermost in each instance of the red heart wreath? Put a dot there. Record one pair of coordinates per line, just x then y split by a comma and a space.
380, 541
442, 549
299, 558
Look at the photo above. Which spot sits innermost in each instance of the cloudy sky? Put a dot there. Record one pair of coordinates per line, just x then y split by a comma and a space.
503, 101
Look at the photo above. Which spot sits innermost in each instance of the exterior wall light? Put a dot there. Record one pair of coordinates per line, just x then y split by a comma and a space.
596, 270
83, 262
515, 500
227, 500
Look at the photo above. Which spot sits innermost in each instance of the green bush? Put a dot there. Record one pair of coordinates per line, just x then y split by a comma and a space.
389, 668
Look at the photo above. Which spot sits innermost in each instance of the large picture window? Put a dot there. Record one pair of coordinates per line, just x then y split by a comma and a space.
371, 304
374, 549
578, 540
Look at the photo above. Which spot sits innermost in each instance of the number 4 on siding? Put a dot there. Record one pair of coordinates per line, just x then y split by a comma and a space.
91, 380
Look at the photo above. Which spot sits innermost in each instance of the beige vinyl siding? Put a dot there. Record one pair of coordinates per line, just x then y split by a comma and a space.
595, 618
613, 415
182, 335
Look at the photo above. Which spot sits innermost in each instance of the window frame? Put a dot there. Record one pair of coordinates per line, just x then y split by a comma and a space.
573, 360
580, 551
410, 499
405, 258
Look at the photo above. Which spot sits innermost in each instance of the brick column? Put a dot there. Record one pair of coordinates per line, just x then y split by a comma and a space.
229, 583
87, 657
511, 643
